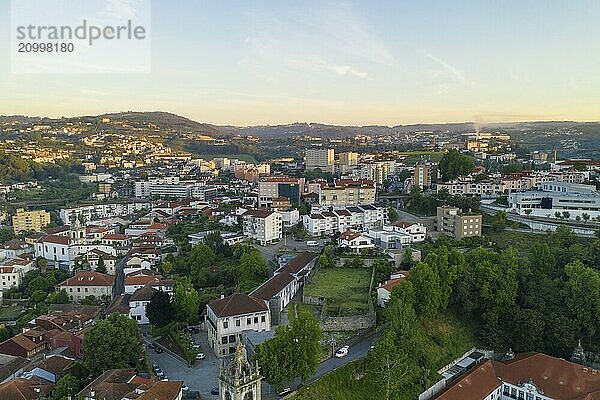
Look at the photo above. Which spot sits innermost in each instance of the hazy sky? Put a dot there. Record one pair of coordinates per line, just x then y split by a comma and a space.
359, 62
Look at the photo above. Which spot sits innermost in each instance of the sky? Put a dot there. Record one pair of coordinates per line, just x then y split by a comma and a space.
341, 62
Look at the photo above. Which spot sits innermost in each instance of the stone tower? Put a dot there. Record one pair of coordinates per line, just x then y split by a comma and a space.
578, 355
238, 378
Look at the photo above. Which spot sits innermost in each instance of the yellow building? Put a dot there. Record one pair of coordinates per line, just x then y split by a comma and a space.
30, 220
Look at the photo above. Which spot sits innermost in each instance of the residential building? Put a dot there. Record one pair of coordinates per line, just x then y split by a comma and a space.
416, 230
321, 158
24, 221
286, 281
388, 239
119, 384
346, 192
25, 389
93, 257
138, 302
424, 175
384, 290
173, 188
527, 376
10, 277
451, 221
102, 211
355, 241
263, 226
229, 238
26, 344
274, 187
227, 317
363, 217
87, 283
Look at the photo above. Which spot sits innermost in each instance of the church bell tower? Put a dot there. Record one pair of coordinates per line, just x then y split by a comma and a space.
238, 378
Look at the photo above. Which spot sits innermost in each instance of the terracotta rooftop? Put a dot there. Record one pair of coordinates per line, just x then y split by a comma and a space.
237, 304
56, 239
89, 278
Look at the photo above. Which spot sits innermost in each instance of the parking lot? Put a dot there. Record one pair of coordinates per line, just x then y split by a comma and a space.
202, 377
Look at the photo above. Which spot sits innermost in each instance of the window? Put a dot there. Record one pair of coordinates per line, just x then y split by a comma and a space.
231, 338
237, 322
225, 325
256, 320
262, 319
248, 321
224, 340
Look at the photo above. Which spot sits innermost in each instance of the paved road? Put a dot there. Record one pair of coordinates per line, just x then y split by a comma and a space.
269, 252
203, 376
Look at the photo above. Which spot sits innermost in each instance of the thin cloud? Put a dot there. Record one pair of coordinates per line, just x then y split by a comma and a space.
347, 70
452, 70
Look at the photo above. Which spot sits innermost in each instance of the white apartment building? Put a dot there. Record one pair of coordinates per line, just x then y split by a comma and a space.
172, 187
417, 231
322, 158
228, 317
263, 226
102, 211
363, 217
569, 200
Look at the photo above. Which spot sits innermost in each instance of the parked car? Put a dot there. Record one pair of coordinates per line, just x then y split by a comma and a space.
214, 390
158, 350
196, 346
312, 243
159, 373
342, 352
185, 388
284, 392
151, 345
200, 356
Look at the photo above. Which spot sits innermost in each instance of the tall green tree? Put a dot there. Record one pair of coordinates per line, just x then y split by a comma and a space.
186, 302
428, 296
453, 164
101, 266
389, 364
160, 310
293, 352
112, 343
65, 388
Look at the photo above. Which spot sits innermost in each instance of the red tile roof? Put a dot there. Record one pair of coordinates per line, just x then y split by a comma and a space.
56, 239
89, 278
237, 304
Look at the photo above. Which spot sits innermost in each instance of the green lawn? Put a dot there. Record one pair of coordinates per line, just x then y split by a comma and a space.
346, 290
447, 337
11, 312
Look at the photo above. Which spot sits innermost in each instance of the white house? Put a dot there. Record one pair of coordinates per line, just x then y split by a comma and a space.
384, 290
417, 231
138, 303
229, 316
355, 241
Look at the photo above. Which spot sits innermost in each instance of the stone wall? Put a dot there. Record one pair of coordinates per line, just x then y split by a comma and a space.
351, 323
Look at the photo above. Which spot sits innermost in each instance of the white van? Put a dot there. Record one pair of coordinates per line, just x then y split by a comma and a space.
312, 243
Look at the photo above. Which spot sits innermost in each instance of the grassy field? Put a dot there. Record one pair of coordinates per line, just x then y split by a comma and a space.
11, 312
448, 337
346, 290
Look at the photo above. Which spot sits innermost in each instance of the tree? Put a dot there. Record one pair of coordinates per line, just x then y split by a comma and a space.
252, 271
294, 351
65, 388
58, 297
6, 234
101, 266
393, 215
453, 164
388, 365
583, 296
38, 296
112, 343
500, 220
426, 285
160, 310
186, 302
